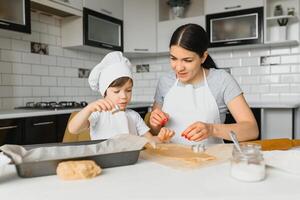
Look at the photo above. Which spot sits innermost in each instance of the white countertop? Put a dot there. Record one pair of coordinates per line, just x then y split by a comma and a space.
264, 104
149, 180
19, 113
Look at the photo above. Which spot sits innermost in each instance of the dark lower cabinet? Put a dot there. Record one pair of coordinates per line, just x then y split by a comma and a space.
257, 114
40, 130
33, 130
61, 125
141, 110
11, 131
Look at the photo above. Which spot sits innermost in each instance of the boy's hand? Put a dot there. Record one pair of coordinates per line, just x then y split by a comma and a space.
101, 105
158, 118
165, 134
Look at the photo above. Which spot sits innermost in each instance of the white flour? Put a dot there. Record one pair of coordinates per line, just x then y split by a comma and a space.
248, 172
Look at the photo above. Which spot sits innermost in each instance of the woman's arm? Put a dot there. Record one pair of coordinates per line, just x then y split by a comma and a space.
245, 127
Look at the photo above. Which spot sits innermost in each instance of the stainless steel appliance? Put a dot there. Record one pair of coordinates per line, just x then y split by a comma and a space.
102, 30
15, 15
235, 27
53, 105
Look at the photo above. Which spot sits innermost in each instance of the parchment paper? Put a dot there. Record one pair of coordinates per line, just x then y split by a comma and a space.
120, 143
182, 157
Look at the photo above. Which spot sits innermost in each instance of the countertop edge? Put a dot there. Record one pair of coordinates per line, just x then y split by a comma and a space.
21, 113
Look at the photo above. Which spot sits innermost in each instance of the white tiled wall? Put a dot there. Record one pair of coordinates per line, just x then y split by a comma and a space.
260, 83
25, 76
32, 77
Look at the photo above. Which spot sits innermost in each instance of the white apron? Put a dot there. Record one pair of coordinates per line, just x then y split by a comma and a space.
111, 125
186, 105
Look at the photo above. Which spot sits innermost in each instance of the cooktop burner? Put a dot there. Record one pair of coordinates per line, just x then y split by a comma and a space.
53, 105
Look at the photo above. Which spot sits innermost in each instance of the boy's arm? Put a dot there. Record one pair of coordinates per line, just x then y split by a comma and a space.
80, 121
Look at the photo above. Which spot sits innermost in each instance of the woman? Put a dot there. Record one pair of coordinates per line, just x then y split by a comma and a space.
193, 100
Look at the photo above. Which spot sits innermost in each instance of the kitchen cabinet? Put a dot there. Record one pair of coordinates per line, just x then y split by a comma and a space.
167, 23
33, 130
40, 130
108, 7
276, 33
94, 32
165, 30
61, 8
61, 125
11, 131
257, 114
45, 129
215, 6
142, 111
15, 15
140, 26
277, 123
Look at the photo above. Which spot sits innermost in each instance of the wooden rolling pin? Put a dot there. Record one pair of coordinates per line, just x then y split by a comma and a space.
277, 144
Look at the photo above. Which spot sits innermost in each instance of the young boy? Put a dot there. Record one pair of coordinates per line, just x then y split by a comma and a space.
108, 116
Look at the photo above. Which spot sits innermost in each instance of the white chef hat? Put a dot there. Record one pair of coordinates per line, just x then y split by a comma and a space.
113, 66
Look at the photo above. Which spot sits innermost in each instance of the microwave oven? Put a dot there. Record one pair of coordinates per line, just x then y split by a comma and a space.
15, 15
102, 31
236, 27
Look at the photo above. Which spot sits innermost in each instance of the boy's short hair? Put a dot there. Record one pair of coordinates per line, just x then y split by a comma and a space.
119, 82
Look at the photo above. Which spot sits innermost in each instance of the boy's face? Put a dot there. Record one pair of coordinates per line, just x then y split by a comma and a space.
121, 96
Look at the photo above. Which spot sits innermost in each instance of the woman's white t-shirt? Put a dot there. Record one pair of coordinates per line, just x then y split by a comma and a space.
136, 124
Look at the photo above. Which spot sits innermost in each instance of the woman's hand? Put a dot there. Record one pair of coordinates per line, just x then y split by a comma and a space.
158, 118
165, 134
101, 105
198, 131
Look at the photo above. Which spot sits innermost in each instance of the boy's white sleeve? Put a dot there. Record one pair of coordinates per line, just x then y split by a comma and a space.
94, 118
141, 127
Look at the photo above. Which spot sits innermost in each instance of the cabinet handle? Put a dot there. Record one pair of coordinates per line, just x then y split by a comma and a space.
141, 49
42, 123
4, 23
232, 7
106, 11
8, 127
61, 1
107, 45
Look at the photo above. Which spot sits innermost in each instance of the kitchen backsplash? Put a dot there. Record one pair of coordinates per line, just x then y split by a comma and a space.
264, 74
27, 76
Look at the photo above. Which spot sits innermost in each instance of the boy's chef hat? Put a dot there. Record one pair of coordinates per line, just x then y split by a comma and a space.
113, 66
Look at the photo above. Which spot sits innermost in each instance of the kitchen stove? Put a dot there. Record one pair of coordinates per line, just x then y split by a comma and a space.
53, 105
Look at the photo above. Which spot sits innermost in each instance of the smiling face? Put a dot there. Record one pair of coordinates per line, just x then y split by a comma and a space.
186, 64
120, 95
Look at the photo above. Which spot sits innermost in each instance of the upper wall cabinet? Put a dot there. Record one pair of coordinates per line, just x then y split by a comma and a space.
217, 6
15, 15
63, 8
113, 8
168, 22
282, 21
140, 26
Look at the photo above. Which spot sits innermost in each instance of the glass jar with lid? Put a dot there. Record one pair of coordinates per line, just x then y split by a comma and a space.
248, 165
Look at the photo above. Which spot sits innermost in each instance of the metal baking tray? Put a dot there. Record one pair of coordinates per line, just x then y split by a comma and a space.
48, 167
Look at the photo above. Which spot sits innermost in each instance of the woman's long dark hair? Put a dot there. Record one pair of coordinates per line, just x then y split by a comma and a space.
193, 38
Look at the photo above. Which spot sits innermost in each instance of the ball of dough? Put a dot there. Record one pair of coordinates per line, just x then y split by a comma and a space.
82, 169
